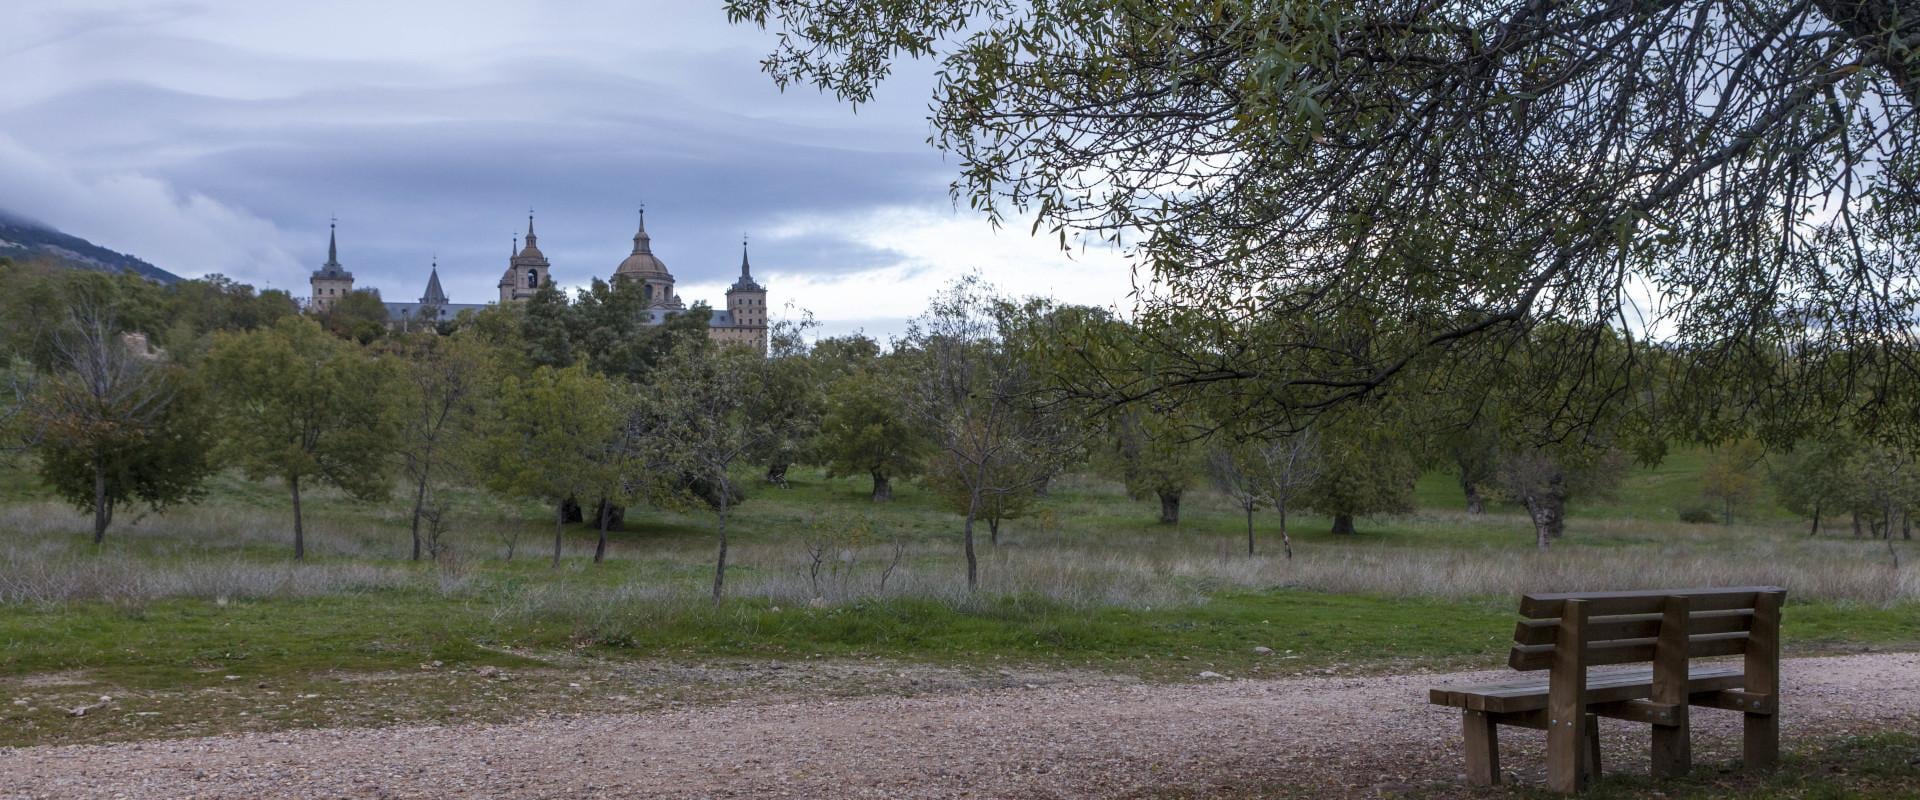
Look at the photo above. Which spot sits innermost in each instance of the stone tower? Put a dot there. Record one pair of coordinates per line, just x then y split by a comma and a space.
747, 305
330, 282
645, 268
527, 270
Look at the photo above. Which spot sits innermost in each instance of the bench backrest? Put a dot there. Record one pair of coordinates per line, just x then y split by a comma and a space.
1627, 627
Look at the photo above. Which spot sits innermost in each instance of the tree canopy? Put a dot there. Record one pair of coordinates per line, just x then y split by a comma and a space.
1733, 182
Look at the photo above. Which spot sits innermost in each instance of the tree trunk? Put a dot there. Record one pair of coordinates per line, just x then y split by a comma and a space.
777, 475
1476, 502
419, 501
1549, 514
882, 488
1169, 508
1249, 507
993, 530
559, 522
973, 562
299, 533
1286, 541
1726, 510
720, 564
1815, 530
1856, 524
600, 548
1343, 524
1906, 526
101, 513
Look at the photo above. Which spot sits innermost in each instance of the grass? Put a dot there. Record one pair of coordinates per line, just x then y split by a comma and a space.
173, 604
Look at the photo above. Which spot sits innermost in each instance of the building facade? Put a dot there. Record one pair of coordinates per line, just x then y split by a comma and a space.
742, 321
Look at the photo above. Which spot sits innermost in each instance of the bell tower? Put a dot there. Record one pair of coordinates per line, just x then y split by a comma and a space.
331, 281
527, 270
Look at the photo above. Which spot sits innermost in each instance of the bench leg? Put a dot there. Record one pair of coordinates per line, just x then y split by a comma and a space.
1590, 755
1483, 748
1673, 746
1761, 744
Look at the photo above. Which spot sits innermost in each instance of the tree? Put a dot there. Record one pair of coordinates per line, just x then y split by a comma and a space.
440, 378
700, 395
1812, 479
1290, 464
1154, 454
867, 430
116, 427
544, 438
790, 401
1235, 471
1545, 479
1743, 166
296, 403
1732, 476
1365, 467
357, 315
994, 446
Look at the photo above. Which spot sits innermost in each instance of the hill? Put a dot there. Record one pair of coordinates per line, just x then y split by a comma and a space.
22, 239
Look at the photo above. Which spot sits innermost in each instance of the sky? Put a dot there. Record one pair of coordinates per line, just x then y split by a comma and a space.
221, 136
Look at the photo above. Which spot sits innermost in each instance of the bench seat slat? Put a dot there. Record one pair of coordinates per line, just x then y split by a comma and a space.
1509, 697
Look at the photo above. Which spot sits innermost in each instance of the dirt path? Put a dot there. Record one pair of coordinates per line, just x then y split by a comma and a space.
1340, 735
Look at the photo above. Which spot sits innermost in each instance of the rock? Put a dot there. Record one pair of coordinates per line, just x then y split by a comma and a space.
1262, 650
1211, 675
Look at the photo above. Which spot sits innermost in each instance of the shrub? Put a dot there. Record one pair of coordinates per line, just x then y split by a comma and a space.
1697, 516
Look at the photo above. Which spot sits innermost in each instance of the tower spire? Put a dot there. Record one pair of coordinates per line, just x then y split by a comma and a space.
333, 247
642, 243
530, 236
746, 270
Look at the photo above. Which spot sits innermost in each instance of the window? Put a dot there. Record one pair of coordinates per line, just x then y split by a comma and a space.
533, 279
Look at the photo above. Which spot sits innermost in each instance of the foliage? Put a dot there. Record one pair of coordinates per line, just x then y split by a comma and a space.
1365, 467
1732, 476
1466, 171
117, 428
296, 403
866, 429
543, 435
359, 316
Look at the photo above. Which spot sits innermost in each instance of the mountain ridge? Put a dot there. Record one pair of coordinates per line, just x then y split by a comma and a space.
23, 238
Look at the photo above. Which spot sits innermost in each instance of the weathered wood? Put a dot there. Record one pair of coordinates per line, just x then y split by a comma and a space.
1645, 712
1483, 748
1590, 755
1531, 694
1633, 626
1606, 604
1529, 657
1566, 700
1737, 700
1672, 752
1761, 744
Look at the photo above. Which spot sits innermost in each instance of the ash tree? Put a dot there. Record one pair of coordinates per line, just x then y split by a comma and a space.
995, 442
544, 438
701, 400
438, 402
298, 404
116, 428
1734, 182
868, 429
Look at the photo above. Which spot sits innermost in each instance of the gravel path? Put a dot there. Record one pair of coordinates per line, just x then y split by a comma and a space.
1343, 736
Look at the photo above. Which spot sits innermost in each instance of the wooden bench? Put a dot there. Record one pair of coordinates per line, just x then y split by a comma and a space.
1566, 634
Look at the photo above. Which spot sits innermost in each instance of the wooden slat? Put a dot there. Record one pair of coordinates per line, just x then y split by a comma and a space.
1634, 626
1628, 651
1737, 700
1607, 604
1514, 697
1645, 712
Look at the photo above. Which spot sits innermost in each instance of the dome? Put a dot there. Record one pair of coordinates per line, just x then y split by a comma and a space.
643, 263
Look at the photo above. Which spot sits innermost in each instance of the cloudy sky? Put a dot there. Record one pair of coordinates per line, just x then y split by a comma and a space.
218, 136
